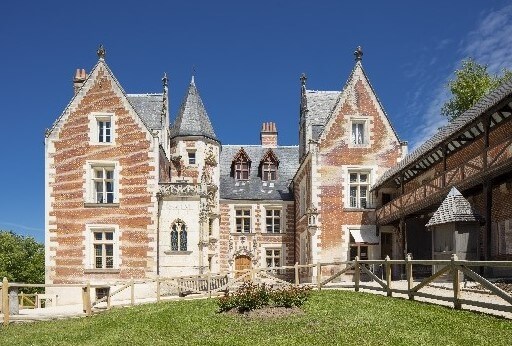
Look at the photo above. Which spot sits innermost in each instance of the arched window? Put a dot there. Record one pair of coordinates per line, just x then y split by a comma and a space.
179, 236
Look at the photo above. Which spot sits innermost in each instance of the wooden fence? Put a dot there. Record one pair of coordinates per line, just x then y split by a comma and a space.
319, 276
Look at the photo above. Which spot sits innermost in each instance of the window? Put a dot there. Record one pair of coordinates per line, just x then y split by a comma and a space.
358, 249
103, 247
179, 236
104, 131
269, 171
102, 128
273, 258
103, 182
273, 220
358, 133
302, 199
191, 157
241, 170
504, 245
243, 220
359, 187
241, 165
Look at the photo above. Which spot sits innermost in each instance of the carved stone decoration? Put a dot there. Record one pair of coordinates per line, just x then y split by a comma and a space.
101, 52
180, 189
210, 157
203, 212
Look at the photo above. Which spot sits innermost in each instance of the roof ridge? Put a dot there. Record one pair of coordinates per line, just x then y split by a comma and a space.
146, 94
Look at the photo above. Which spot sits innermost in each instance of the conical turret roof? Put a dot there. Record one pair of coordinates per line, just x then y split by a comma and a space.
455, 208
192, 119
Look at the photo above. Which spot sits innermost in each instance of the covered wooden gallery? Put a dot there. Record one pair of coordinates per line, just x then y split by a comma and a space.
472, 153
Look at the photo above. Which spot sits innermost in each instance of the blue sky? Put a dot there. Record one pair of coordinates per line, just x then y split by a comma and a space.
248, 57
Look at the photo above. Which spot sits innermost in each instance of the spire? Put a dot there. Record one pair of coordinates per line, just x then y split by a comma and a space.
358, 53
192, 119
163, 114
101, 52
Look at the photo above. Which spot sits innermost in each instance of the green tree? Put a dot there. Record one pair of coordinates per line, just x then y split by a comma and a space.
471, 82
21, 258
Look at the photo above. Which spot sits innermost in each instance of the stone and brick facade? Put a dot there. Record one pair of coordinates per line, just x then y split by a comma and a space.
132, 194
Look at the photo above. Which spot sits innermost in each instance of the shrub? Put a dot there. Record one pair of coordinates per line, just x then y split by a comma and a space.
290, 296
251, 296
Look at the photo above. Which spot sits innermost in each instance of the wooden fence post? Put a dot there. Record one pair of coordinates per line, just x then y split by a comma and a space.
158, 288
87, 299
357, 273
318, 276
456, 283
408, 272
5, 300
387, 267
209, 282
132, 292
297, 279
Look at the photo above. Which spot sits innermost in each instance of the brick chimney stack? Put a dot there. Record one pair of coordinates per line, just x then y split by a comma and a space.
79, 79
268, 135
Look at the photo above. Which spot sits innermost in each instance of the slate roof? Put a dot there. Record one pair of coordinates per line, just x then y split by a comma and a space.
148, 107
320, 105
192, 119
455, 208
254, 188
488, 101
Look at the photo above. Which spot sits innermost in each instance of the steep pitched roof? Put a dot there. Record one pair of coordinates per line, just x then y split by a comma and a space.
149, 108
320, 105
455, 208
192, 119
488, 101
142, 107
254, 188
358, 70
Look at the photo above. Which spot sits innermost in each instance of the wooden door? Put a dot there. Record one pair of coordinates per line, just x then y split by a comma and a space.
386, 245
242, 263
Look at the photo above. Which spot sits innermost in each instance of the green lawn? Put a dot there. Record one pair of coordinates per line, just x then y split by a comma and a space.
331, 318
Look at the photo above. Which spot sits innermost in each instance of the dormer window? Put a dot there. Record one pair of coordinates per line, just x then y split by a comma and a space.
268, 170
268, 166
242, 170
241, 165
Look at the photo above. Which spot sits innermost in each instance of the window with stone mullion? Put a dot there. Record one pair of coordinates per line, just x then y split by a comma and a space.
359, 185
243, 220
241, 170
273, 220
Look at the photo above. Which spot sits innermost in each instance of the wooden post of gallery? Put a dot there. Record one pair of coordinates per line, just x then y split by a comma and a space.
5, 301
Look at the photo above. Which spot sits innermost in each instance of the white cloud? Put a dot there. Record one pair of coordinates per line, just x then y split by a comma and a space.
490, 43
16, 225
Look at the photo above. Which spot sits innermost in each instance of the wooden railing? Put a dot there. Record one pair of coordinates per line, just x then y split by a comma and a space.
466, 175
320, 276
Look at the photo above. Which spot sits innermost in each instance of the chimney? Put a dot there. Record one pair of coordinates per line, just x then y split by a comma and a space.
79, 79
268, 135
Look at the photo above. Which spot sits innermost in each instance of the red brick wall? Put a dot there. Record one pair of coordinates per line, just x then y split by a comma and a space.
72, 150
334, 151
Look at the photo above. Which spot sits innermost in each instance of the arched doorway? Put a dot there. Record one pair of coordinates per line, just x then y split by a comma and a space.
242, 262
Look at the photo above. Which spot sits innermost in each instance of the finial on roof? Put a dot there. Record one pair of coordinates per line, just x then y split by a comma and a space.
101, 52
165, 80
358, 53
303, 79
193, 74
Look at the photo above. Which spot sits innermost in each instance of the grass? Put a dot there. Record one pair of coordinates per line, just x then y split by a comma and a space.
331, 318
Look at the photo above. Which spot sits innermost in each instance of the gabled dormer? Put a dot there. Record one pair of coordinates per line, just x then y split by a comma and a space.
241, 165
269, 163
